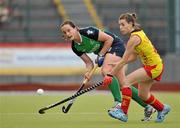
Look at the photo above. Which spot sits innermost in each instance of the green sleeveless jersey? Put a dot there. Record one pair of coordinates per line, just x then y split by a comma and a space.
89, 41
88, 45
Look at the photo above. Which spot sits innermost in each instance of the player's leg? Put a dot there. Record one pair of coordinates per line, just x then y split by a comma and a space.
113, 56
148, 110
121, 76
106, 68
114, 86
132, 78
155, 72
153, 101
136, 97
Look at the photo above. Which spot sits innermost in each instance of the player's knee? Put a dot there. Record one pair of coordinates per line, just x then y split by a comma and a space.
125, 83
104, 71
142, 96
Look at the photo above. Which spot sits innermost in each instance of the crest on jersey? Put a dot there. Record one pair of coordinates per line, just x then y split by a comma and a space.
90, 32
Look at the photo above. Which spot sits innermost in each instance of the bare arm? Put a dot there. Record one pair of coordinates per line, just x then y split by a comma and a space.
107, 39
87, 60
129, 54
132, 57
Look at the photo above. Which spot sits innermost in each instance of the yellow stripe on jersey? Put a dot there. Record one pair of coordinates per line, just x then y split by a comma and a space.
146, 50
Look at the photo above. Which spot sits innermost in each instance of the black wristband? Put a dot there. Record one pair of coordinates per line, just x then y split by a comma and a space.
110, 75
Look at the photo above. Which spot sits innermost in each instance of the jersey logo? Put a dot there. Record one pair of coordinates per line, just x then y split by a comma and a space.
89, 32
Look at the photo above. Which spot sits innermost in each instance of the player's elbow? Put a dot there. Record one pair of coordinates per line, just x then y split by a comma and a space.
109, 41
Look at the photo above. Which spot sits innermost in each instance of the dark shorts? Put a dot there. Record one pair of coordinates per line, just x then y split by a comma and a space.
118, 49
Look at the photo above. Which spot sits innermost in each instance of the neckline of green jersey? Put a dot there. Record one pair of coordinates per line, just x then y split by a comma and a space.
81, 41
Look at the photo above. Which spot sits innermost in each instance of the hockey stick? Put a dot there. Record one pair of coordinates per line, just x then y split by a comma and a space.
42, 110
66, 109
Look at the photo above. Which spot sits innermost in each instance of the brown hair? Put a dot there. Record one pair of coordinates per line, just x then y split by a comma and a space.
131, 17
71, 23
